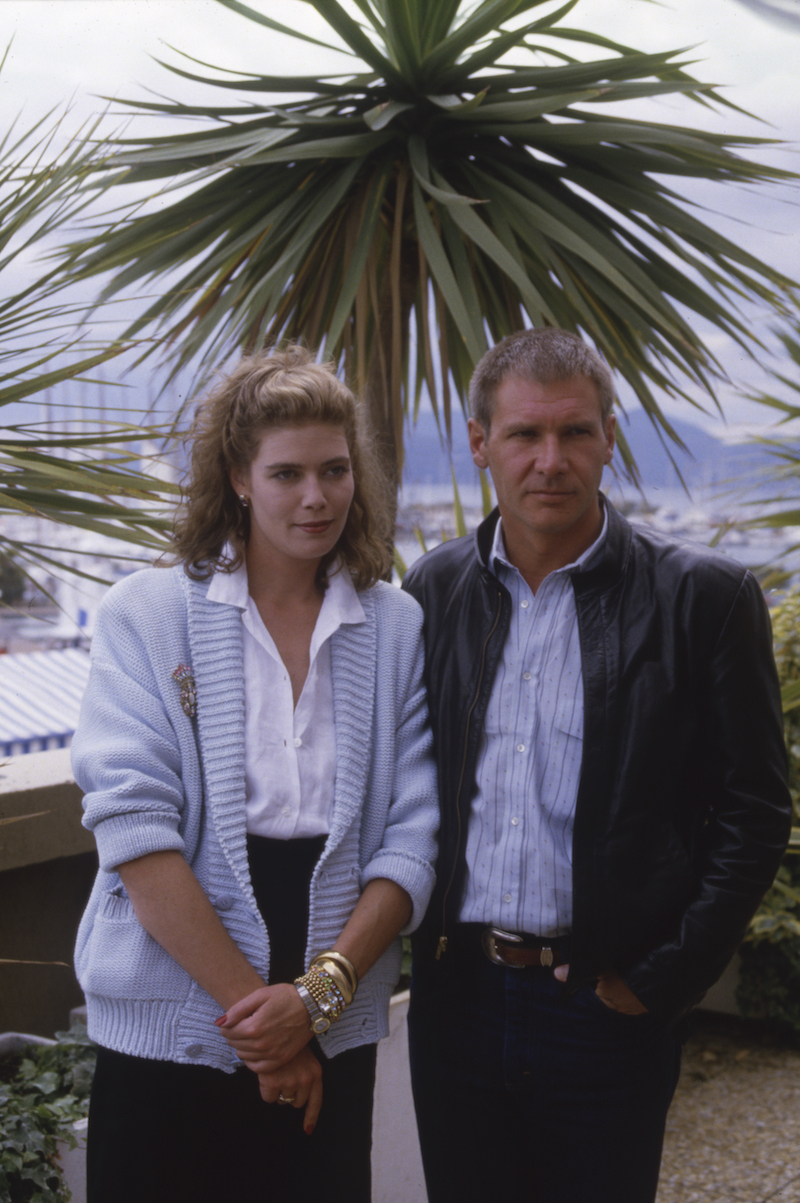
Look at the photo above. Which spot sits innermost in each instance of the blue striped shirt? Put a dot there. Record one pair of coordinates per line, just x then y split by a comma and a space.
519, 843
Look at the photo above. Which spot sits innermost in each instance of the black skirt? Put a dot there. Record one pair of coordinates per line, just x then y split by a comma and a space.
160, 1132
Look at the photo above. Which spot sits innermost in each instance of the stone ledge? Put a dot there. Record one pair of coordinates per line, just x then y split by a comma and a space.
40, 810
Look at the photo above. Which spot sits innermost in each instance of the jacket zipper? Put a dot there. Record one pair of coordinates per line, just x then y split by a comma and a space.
442, 945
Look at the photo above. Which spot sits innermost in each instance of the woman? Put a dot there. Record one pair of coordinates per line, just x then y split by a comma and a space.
255, 756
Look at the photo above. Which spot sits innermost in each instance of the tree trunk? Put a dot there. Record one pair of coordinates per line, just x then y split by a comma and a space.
383, 391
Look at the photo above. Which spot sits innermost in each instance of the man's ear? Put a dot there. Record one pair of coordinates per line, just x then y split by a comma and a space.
477, 443
611, 438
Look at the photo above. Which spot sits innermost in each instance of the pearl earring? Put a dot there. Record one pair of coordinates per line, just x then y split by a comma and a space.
243, 499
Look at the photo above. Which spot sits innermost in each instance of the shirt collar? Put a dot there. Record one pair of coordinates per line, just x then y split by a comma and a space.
340, 604
498, 553
230, 588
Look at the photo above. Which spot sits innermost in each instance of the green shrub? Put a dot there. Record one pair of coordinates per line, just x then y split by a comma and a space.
769, 983
769, 986
42, 1092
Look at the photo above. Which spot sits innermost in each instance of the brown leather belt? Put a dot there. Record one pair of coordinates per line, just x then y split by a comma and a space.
518, 952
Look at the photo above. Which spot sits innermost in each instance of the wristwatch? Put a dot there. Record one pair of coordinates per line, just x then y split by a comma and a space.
319, 1022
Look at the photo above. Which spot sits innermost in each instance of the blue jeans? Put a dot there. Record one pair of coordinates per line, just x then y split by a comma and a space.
523, 1094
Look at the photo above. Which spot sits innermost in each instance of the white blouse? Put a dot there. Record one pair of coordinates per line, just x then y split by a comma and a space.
290, 754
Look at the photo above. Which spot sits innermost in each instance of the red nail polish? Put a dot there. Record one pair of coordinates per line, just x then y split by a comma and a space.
222, 1019
309, 1129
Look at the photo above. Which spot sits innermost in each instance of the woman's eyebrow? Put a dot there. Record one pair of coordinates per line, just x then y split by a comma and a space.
336, 459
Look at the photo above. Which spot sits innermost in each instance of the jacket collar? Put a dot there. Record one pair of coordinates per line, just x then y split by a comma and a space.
609, 568
484, 538
603, 573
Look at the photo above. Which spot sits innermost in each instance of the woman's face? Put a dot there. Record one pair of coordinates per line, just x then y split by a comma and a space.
299, 488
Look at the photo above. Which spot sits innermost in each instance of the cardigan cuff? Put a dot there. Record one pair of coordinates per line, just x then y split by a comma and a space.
122, 838
415, 876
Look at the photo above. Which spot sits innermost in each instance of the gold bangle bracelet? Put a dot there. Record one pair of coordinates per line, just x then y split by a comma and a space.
344, 963
334, 972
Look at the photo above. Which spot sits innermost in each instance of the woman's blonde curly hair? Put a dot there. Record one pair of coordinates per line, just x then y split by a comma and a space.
262, 393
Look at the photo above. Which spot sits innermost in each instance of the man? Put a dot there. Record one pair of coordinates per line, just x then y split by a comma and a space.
614, 804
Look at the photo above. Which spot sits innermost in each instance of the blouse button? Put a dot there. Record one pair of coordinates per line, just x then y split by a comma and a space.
298, 741
193, 1050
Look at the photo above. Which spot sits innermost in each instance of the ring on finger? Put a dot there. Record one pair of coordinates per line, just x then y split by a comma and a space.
283, 1099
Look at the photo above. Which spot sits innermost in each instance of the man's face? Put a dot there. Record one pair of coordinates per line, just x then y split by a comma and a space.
546, 449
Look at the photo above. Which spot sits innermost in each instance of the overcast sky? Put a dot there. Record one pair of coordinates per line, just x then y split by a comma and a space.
86, 46
80, 49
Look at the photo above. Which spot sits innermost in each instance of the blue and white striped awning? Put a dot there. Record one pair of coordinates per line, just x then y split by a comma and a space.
40, 698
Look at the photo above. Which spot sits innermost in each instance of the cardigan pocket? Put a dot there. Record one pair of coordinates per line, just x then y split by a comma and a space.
338, 888
120, 959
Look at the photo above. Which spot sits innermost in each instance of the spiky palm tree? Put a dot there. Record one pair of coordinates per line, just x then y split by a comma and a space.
465, 176
86, 479
783, 444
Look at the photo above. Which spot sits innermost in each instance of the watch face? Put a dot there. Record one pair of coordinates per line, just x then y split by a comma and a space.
321, 1025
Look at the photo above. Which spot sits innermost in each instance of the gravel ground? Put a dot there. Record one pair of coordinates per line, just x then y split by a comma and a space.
733, 1132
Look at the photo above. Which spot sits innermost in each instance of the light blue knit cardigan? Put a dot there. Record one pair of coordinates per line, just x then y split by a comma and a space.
156, 778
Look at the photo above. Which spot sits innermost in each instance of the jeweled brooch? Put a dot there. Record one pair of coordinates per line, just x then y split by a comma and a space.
185, 678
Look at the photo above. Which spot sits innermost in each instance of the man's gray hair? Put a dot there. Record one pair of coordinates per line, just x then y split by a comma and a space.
544, 355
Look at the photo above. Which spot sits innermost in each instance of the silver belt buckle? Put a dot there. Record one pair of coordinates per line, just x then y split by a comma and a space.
489, 938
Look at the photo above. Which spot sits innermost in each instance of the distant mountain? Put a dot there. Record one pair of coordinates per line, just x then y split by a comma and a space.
709, 462
428, 460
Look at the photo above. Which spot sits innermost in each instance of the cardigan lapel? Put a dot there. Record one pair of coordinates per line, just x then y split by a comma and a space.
215, 640
354, 668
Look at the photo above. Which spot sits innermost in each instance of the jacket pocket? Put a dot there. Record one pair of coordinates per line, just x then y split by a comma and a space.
590, 1002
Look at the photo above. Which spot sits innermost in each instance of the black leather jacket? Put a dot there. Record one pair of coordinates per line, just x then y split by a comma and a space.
683, 811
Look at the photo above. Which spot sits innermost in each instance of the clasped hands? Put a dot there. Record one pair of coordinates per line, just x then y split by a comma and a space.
269, 1030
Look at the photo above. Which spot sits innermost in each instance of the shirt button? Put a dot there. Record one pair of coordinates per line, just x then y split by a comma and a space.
193, 1050
525, 604
506, 898
515, 822
520, 747
298, 741
526, 676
